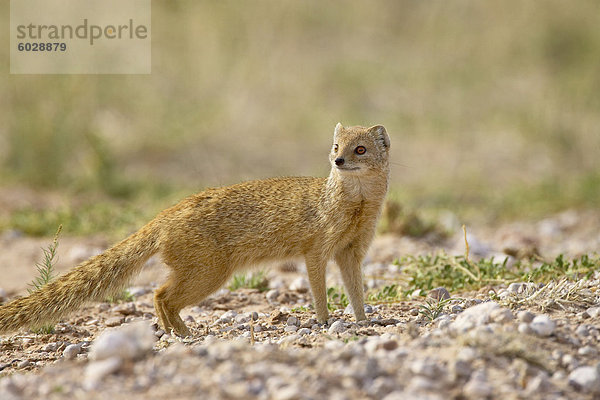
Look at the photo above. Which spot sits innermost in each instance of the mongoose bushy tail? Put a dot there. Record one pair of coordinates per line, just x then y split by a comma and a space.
94, 279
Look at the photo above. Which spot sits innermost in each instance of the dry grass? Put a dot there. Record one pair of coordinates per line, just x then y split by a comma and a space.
564, 294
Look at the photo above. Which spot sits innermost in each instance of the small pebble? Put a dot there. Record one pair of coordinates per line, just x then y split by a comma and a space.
97, 370
516, 287
126, 342
337, 327
582, 331
585, 379
125, 308
242, 318
587, 351
300, 284
114, 321
525, 328
272, 295
439, 294
428, 367
461, 368
389, 345
593, 312
477, 387
525, 316
542, 325
70, 352
569, 362
501, 315
304, 331
455, 309
308, 324
51, 347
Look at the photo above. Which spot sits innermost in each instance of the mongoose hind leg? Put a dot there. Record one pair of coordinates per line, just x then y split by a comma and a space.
183, 289
167, 309
350, 268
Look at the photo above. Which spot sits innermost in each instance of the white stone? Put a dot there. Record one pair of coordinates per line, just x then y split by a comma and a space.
70, 352
582, 330
428, 367
337, 327
52, 346
525, 316
477, 387
586, 379
272, 295
288, 339
227, 317
593, 312
542, 325
97, 370
524, 328
304, 331
501, 315
587, 351
127, 342
300, 284
474, 316
242, 318
468, 354
516, 287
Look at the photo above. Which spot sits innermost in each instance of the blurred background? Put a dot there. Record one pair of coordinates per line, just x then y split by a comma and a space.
493, 109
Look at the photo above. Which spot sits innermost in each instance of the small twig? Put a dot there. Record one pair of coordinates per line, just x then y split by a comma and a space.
467, 251
465, 270
464, 228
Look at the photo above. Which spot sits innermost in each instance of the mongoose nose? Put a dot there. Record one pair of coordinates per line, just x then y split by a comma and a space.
339, 161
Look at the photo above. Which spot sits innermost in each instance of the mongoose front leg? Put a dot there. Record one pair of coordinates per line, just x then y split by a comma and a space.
316, 277
349, 263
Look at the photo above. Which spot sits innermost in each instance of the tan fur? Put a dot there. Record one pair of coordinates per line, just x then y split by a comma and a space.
208, 236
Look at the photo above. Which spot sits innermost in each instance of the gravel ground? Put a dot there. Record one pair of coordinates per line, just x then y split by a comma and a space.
529, 342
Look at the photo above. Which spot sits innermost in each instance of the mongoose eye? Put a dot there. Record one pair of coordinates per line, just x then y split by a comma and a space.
360, 150
335, 148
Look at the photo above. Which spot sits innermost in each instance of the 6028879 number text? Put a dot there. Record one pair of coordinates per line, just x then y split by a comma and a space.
44, 46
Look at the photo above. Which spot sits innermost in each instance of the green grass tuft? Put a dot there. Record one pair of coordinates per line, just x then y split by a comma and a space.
386, 294
255, 280
336, 298
122, 296
433, 308
45, 275
459, 273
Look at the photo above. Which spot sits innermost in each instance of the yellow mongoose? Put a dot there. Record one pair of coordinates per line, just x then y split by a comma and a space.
208, 236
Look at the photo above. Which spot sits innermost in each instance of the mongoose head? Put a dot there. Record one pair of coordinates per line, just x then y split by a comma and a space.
360, 151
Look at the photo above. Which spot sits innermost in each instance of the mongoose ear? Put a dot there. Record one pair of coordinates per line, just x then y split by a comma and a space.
338, 129
381, 134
